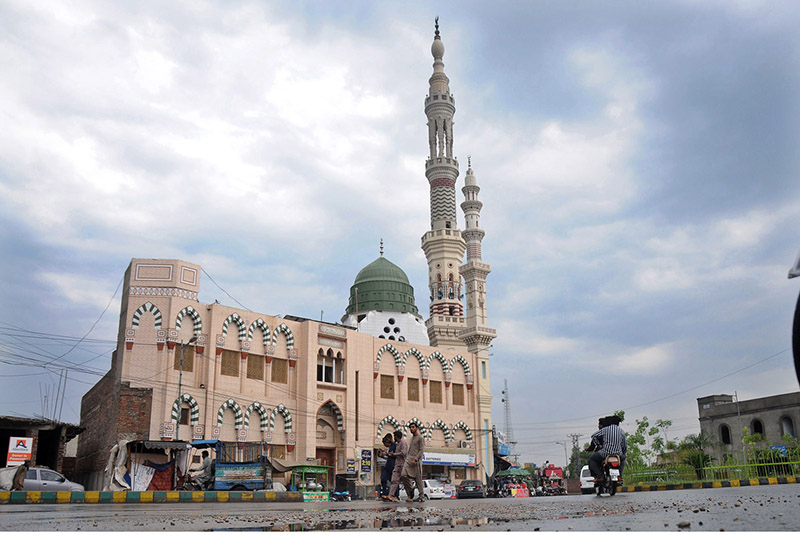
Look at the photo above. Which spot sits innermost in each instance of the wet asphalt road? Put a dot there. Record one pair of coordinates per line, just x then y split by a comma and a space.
772, 508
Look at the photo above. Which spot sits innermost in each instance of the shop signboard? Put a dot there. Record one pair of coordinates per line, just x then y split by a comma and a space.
20, 449
351, 466
366, 461
448, 459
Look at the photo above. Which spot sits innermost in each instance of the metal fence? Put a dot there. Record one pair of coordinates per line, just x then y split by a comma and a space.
760, 464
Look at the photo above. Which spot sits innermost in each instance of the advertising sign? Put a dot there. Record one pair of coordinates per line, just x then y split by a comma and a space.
448, 459
20, 449
366, 461
351, 466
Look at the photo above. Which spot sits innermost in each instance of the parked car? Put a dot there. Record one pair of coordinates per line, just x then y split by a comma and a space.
434, 490
587, 481
46, 479
471, 488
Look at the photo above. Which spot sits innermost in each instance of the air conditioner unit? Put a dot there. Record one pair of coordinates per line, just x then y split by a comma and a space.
463, 444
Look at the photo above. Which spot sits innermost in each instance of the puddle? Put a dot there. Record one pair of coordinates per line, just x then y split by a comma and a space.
340, 525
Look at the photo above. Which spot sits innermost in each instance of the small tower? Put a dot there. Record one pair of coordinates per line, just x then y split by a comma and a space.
443, 245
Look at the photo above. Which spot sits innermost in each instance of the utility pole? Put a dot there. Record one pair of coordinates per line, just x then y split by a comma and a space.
575, 437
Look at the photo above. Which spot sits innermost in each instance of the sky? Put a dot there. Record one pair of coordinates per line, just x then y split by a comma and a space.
637, 163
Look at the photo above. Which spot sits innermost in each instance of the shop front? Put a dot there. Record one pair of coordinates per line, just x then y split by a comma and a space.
450, 467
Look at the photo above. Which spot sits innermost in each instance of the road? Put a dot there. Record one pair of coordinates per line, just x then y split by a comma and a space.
772, 508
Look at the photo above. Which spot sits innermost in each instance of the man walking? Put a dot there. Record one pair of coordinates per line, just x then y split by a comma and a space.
388, 468
412, 469
399, 455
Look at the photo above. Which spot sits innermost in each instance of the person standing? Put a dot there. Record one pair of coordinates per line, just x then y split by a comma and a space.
388, 468
399, 455
19, 475
412, 469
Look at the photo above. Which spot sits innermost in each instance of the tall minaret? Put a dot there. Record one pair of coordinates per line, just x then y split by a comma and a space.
443, 245
477, 336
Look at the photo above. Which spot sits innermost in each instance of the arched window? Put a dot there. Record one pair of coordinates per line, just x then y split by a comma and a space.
757, 427
725, 434
329, 368
787, 426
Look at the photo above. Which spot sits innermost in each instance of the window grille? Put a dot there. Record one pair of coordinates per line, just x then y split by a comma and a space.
413, 389
387, 386
188, 358
230, 363
436, 391
458, 394
280, 371
255, 367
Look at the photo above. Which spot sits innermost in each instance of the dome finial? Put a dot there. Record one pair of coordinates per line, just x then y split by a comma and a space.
469, 161
436, 35
381, 246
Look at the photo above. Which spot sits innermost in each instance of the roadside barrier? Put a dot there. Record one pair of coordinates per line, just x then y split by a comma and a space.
182, 496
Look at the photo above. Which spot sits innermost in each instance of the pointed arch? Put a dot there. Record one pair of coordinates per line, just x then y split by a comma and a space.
465, 428
262, 325
282, 328
193, 407
287, 418
424, 431
438, 356
443, 426
398, 360
463, 362
262, 412
147, 307
389, 420
237, 413
420, 357
192, 313
337, 412
235, 318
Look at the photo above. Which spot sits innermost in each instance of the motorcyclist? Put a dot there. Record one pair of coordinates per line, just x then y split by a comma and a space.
608, 440
206, 471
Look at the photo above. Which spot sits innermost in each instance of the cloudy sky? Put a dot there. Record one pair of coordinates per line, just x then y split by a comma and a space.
637, 162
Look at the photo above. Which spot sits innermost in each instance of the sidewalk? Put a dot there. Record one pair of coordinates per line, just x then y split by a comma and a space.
711, 484
20, 497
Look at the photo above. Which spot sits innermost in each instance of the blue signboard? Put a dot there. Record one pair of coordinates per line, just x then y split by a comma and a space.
503, 450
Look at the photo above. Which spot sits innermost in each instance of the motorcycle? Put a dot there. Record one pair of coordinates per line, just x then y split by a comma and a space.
340, 496
612, 476
191, 484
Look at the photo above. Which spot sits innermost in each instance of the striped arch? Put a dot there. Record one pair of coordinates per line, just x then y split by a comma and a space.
238, 321
147, 307
414, 351
398, 360
195, 409
259, 408
237, 412
259, 324
426, 433
191, 312
464, 363
438, 356
465, 427
282, 328
338, 413
390, 420
287, 418
441, 425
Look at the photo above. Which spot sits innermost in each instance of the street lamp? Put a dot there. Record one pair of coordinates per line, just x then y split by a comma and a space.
566, 457
795, 272
192, 340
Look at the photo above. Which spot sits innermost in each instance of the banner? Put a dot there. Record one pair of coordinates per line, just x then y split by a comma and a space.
20, 449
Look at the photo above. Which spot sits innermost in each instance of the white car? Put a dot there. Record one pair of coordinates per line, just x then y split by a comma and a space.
434, 490
587, 481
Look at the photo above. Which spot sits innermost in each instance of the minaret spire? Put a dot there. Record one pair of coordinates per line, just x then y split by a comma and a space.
443, 245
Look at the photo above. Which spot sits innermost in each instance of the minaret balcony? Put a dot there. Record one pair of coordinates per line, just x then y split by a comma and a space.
441, 161
439, 98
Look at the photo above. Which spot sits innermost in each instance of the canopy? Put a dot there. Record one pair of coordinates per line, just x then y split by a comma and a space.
513, 472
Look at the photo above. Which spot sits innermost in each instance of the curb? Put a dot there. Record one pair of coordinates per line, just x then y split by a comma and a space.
712, 484
27, 497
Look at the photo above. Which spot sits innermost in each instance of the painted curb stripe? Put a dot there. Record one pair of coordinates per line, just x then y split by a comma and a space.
712, 484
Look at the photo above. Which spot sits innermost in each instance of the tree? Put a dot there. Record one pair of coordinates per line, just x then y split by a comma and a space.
692, 450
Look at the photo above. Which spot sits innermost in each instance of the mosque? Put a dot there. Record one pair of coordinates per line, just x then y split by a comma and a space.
311, 390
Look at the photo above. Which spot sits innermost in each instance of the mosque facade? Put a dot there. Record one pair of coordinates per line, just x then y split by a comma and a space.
311, 390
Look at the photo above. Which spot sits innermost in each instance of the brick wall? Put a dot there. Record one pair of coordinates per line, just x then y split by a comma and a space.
98, 418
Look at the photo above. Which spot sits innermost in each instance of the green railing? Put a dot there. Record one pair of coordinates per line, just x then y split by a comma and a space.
760, 464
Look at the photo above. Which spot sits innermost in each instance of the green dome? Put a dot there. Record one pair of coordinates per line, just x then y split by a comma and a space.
382, 286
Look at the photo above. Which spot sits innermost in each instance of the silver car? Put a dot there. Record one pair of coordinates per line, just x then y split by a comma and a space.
46, 479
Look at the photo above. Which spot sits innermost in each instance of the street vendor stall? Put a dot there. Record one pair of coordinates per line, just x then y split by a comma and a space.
306, 479
151, 464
